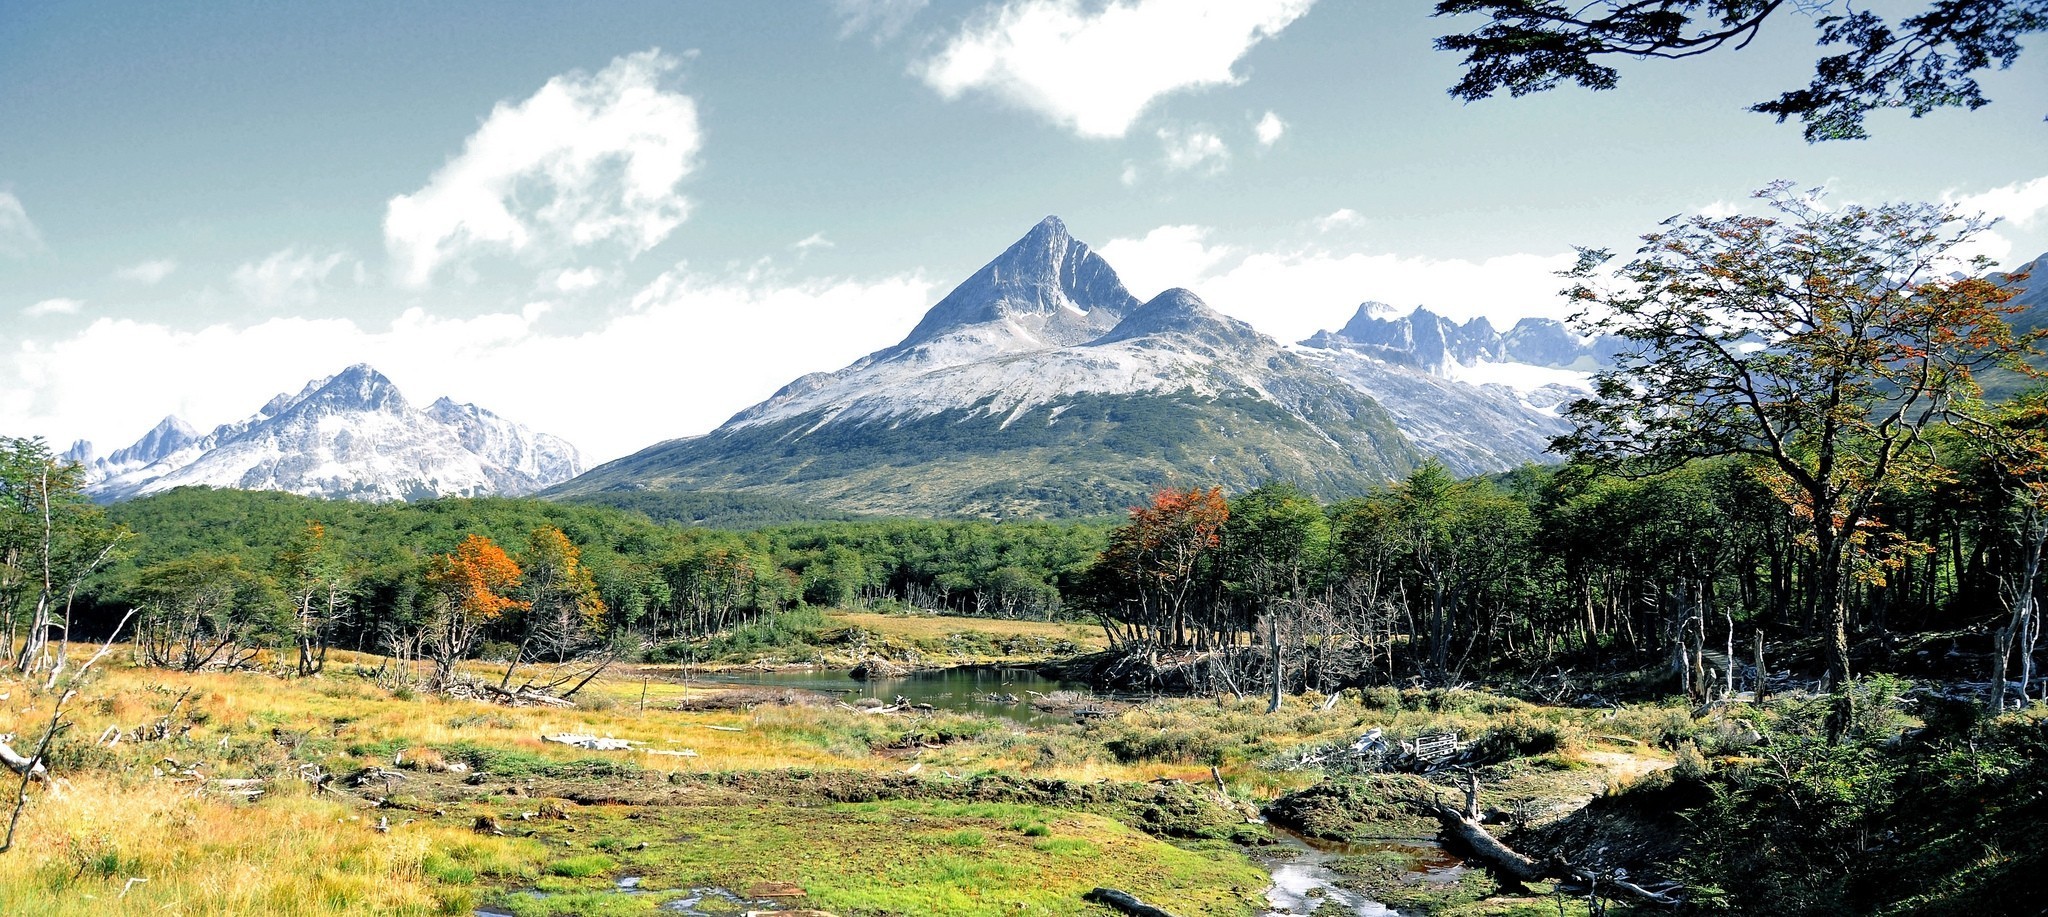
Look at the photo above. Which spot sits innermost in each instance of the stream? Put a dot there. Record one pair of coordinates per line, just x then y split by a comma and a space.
1303, 880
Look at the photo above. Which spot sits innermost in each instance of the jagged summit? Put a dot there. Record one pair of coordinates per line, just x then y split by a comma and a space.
1048, 288
352, 435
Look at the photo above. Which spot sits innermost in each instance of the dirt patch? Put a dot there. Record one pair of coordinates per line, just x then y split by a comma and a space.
1624, 768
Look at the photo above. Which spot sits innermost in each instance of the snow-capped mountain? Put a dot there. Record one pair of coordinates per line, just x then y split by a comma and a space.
168, 437
351, 435
1040, 386
1476, 398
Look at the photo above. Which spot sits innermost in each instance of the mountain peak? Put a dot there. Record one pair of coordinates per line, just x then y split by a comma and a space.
1048, 286
359, 387
1180, 311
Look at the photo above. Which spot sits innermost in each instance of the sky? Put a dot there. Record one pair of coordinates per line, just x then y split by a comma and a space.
622, 223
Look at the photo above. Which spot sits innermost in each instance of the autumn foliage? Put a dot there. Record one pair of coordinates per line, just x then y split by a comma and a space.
471, 584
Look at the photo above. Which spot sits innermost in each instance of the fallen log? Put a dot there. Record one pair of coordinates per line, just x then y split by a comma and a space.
20, 764
1125, 902
1512, 864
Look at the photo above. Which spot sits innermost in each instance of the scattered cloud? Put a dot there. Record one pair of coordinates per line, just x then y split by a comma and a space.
148, 273
1095, 68
589, 158
680, 342
287, 278
576, 280
1187, 151
882, 19
1293, 292
1338, 219
1130, 174
58, 306
1720, 210
1269, 129
813, 241
19, 237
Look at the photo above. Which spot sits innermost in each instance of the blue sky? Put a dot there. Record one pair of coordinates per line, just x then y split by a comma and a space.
623, 222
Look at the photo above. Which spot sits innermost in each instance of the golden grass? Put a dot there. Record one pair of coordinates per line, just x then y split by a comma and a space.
119, 813
912, 628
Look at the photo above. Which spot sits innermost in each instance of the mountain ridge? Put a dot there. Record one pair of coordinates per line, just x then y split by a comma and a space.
350, 435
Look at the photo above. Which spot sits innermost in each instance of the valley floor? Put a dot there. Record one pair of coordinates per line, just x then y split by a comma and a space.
374, 801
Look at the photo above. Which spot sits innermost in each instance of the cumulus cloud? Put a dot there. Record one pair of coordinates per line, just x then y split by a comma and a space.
19, 237
1192, 150
148, 273
1269, 129
2020, 203
686, 347
58, 306
815, 240
288, 278
884, 19
590, 158
1291, 293
1094, 68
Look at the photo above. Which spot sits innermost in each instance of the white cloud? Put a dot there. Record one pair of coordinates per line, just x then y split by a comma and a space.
286, 278
1195, 149
1338, 219
576, 280
589, 158
1095, 68
1169, 256
813, 241
1720, 210
1269, 129
58, 306
19, 237
148, 273
885, 19
1130, 174
688, 351
1291, 293
2020, 203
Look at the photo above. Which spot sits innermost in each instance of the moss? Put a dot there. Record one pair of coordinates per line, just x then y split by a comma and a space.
1353, 809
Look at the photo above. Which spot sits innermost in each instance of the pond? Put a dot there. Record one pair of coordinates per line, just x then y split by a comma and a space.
984, 690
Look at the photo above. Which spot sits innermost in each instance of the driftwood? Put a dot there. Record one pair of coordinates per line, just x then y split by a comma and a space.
1510, 863
525, 696
22, 764
1125, 902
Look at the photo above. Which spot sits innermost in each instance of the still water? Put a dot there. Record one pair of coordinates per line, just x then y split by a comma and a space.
988, 691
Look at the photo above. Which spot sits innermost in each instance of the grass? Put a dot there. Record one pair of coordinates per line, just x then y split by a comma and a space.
130, 812
906, 857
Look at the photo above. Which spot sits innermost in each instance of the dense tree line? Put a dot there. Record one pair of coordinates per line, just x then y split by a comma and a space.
217, 575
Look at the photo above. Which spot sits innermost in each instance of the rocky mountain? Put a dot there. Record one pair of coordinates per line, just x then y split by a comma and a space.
1436, 344
168, 437
1476, 398
351, 435
1041, 386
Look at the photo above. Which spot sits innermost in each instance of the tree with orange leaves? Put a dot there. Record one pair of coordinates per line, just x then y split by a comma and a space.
470, 587
1824, 343
1156, 559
